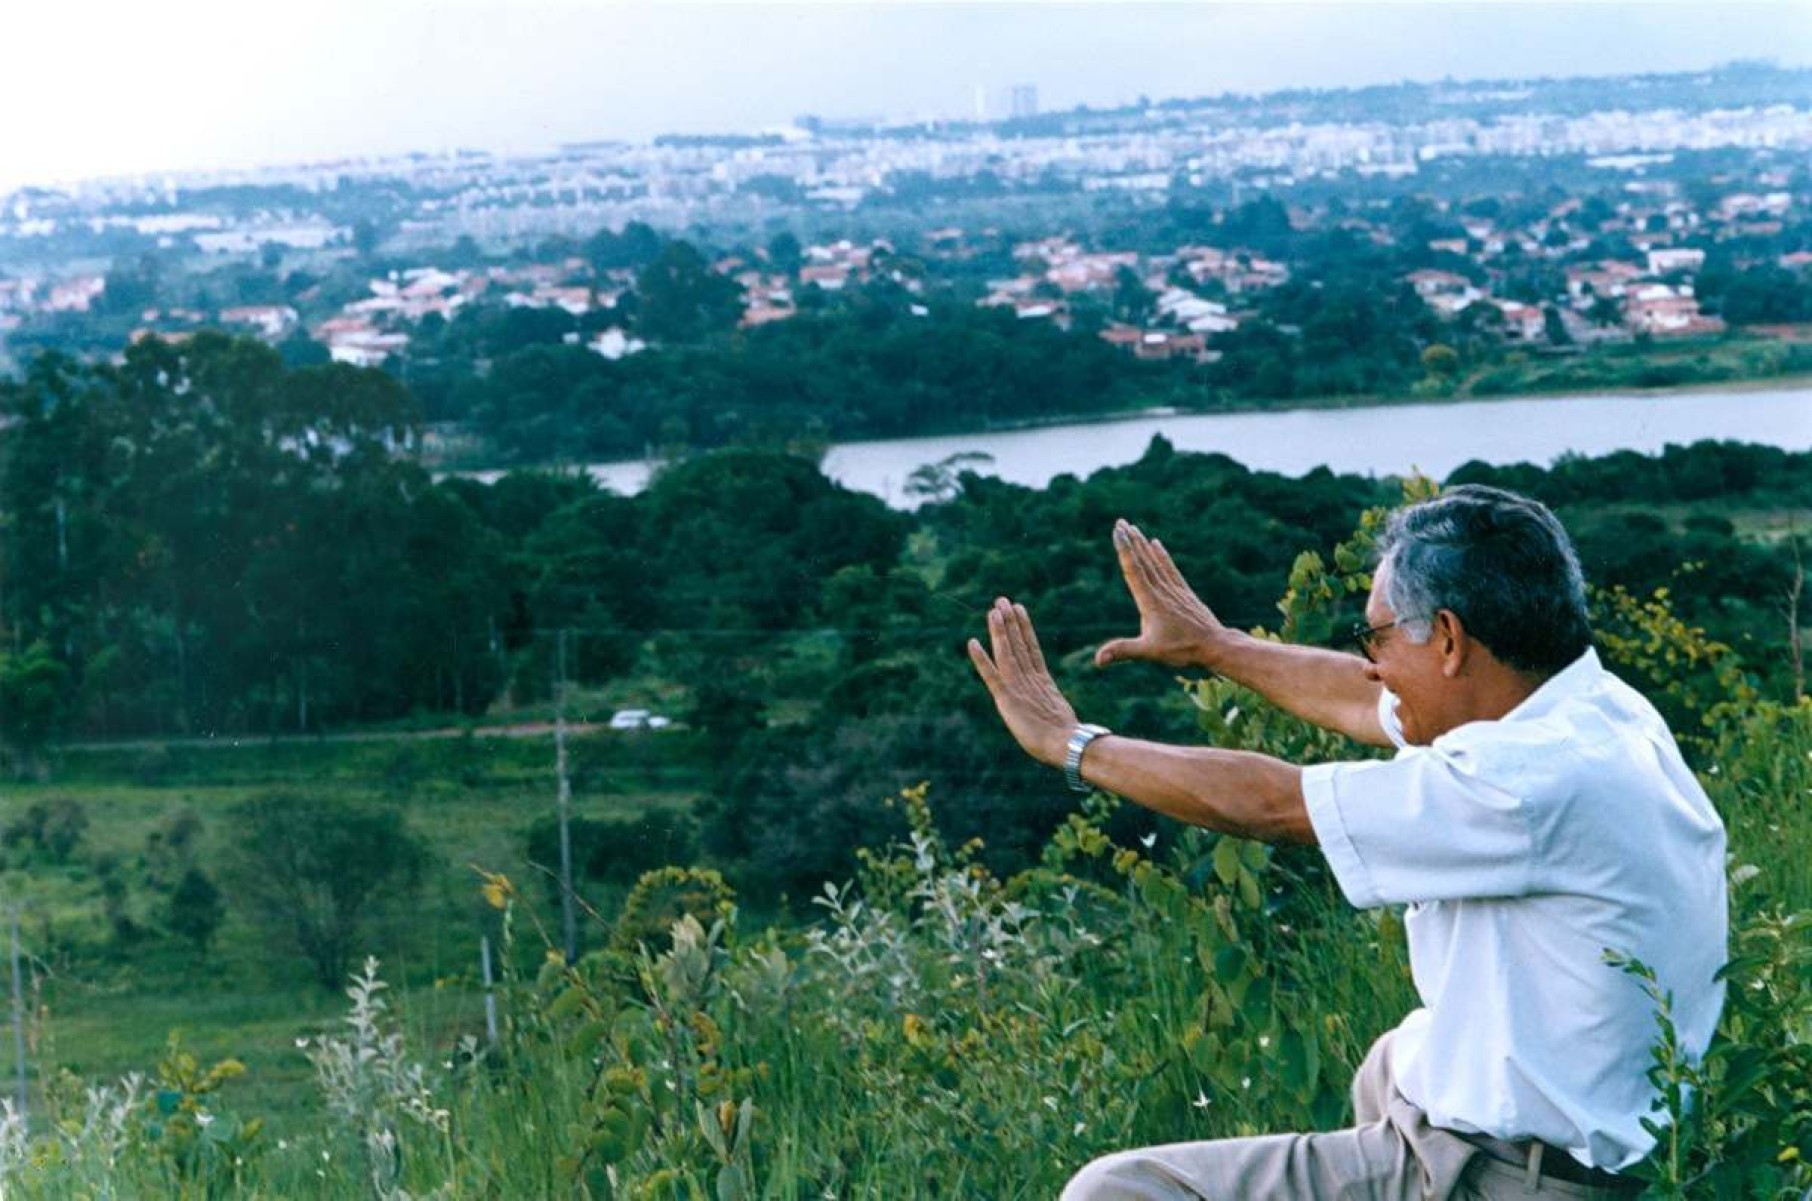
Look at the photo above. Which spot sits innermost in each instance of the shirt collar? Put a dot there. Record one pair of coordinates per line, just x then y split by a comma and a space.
1575, 679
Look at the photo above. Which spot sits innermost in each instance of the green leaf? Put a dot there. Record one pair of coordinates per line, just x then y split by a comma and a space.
733, 1183
586, 1038
1255, 1003
566, 1004
1205, 1054
612, 1139
1220, 1008
1226, 860
1299, 1061
1158, 890
1248, 891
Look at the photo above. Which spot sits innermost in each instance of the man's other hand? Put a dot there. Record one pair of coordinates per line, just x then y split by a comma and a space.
1036, 713
1175, 627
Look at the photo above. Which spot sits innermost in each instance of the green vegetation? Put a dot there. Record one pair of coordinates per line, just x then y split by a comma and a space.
940, 1028
869, 367
1636, 366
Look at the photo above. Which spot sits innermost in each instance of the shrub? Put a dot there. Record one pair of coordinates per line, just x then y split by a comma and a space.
616, 850
315, 870
52, 828
195, 910
662, 897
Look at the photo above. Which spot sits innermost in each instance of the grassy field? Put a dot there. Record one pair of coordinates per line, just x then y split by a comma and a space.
106, 1007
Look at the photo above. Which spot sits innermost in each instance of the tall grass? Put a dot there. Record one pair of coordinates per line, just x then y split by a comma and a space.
939, 1032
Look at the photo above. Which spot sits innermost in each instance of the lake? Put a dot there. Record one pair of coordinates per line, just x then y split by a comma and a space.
1389, 440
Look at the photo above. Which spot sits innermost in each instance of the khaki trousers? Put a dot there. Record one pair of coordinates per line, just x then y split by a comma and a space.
1392, 1153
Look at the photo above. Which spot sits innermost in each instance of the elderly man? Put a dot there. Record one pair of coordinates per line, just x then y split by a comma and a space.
1536, 815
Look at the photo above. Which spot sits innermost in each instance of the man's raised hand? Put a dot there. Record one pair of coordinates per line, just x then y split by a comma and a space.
1036, 713
1175, 627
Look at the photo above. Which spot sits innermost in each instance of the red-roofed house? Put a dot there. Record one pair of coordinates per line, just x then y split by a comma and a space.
270, 320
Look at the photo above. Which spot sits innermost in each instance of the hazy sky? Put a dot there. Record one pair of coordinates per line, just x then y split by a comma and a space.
90, 88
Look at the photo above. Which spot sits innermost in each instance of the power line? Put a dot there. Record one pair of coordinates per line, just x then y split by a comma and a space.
1120, 629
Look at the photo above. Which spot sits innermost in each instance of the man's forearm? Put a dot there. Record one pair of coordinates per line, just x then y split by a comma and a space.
1326, 688
1234, 792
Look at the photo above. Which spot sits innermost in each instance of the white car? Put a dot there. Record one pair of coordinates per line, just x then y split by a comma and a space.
638, 719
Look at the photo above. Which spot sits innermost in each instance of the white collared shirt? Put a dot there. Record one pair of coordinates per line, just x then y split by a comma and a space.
1525, 849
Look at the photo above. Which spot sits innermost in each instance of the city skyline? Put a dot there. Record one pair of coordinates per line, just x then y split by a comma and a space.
172, 89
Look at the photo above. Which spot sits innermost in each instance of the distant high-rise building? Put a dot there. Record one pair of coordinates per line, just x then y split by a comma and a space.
1022, 100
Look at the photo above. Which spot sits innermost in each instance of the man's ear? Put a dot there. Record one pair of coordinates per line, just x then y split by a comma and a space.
1450, 639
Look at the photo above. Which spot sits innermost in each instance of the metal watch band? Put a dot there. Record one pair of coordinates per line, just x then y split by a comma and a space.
1072, 757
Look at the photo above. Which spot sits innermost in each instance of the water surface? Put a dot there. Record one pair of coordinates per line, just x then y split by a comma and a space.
1391, 440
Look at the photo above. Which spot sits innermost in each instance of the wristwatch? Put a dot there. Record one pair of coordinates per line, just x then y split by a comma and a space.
1072, 755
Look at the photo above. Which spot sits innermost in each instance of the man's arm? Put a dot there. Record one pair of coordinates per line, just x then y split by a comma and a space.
1235, 792
1327, 688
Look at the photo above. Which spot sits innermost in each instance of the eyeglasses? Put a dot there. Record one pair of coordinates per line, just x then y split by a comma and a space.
1364, 638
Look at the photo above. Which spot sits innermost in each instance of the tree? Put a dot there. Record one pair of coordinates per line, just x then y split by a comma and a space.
318, 870
1263, 224
682, 299
616, 850
199, 536
33, 699
632, 248
195, 910
300, 350
465, 253
1133, 301
784, 253
746, 539
938, 482
131, 289
365, 237
1441, 361
1605, 310
1553, 328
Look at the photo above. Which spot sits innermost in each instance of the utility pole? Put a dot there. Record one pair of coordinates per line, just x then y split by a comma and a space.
490, 990
568, 922
1795, 593
18, 1019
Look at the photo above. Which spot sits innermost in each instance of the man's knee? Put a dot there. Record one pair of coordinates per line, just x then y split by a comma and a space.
1124, 1176
1372, 1085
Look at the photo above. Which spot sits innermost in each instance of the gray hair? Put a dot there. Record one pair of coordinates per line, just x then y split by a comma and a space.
1499, 562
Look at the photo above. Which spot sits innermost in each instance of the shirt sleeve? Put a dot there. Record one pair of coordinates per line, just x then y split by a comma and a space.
1420, 827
